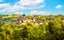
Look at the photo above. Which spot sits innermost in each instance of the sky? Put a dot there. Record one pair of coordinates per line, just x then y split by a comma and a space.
32, 7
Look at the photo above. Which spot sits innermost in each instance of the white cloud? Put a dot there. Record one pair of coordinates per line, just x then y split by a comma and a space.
35, 12
59, 6
4, 7
19, 13
22, 5
30, 2
8, 8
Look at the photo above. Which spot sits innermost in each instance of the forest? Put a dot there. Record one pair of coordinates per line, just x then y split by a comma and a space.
46, 27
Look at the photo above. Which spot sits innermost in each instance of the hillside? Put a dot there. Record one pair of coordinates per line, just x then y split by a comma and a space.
50, 27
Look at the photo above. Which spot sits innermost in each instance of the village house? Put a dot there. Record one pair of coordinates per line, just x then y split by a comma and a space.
24, 19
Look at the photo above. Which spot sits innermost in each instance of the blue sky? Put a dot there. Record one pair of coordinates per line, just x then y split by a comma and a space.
32, 7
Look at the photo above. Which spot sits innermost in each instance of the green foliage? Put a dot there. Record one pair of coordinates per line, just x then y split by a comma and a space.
49, 30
